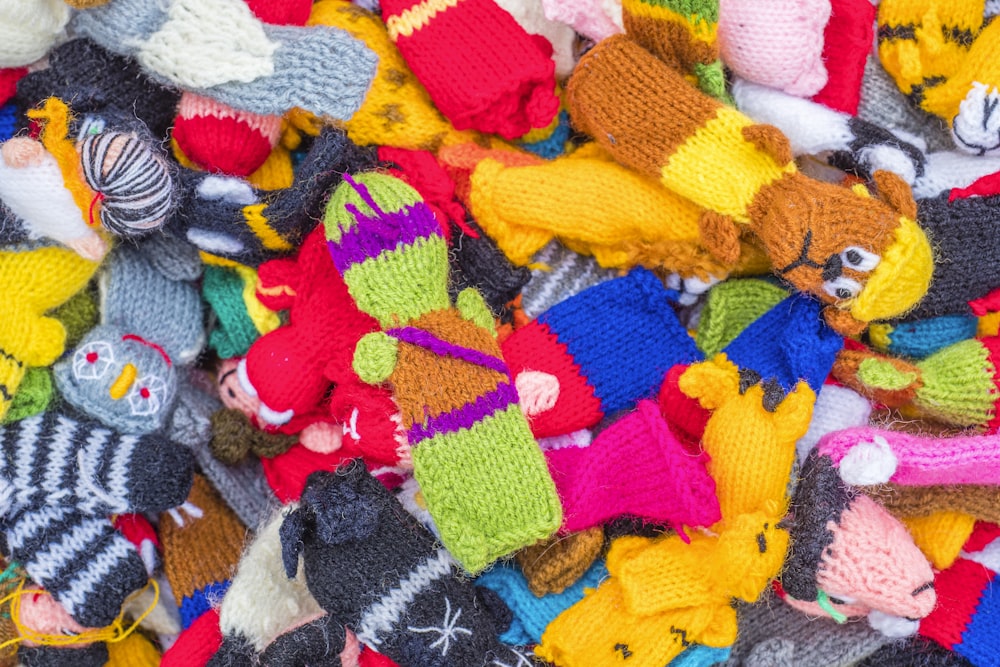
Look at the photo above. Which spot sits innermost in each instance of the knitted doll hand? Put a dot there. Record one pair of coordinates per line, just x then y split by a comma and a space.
375, 357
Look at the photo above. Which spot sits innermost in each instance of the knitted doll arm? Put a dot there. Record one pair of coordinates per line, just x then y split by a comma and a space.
711, 382
375, 357
795, 412
472, 306
307, 644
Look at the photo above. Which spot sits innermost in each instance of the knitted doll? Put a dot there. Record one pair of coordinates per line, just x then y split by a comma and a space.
849, 557
219, 49
125, 371
865, 258
66, 475
954, 79
372, 567
479, 469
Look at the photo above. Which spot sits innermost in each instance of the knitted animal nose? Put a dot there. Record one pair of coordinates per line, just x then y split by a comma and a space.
123, 383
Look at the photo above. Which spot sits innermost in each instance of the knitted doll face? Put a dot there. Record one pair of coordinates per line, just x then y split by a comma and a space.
121, 379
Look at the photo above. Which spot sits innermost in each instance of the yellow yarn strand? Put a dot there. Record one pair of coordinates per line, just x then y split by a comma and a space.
115, 632
55, 116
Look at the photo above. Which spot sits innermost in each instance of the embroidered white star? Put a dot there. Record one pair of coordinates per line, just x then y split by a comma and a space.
522, 660
448, 630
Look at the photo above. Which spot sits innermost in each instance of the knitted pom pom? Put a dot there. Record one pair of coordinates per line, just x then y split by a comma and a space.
132, 181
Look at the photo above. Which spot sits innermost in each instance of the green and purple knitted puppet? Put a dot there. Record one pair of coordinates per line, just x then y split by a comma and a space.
482, 475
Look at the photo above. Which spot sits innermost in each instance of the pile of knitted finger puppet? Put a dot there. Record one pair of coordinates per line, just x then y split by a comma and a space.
468, 333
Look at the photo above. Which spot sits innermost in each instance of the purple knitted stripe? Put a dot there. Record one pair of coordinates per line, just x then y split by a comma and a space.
429, 341
384, 231
466, 416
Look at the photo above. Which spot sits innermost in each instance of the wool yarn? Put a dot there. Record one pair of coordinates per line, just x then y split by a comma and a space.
921, 338
552, 565
847, 41
398, 614
678, 132
778, 44
479, 469
940, 536
917, 501
504, 84
219, 49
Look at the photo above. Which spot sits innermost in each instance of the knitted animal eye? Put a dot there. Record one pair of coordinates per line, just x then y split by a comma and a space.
91, 362
842, 288
859, 259
146, 395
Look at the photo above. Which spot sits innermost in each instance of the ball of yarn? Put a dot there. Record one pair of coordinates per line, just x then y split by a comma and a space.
132, 181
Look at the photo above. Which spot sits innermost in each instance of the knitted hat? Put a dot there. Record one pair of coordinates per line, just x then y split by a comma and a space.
601, 371
437, 620
219, 138
503, 84
46, 278
634, 467
533, 613
847, 41
848, 552
777, 44
755, 183
227, 218
201, 542
554, 564
480, 471
276, 69
872, 456
71, 492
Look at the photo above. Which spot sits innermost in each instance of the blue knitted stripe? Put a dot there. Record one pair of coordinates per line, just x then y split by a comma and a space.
203, 599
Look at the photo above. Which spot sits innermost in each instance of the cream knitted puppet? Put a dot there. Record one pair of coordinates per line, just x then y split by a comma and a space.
219, 49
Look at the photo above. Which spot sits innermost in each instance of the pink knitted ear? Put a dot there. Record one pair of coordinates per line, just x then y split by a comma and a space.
873, 561
777, 43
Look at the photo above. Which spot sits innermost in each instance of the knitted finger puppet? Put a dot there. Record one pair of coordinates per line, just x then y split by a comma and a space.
290, 369
30, 30
219, 49
373, 568
943, 56
64, 477
45, 278
777, 44
202, 542
864, 257
101, 84
505, 82
657, 479
530, 15
630, 220
865, 456
857, 146
552, 565
849, 557
40, 614
226, 218
921, 338
919, 501
481, 472
665, 594
125, 371
956, 385
847, 41
397, 111
598, 371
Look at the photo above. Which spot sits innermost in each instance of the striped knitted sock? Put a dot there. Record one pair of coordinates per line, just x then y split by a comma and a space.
481, 472
504, 83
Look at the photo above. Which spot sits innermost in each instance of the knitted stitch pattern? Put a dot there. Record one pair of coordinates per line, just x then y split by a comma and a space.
63, 477
407, 587
481, 472
652, 120
554, 564
505, 81
46, 278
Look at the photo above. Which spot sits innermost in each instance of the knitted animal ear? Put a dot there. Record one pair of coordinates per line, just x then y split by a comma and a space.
894, 191
342, 509
291, 532
770, 140
720, 236
711, 382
